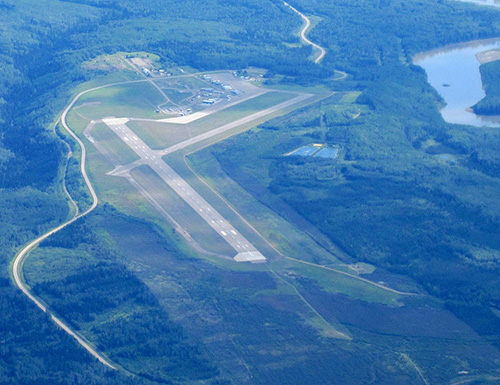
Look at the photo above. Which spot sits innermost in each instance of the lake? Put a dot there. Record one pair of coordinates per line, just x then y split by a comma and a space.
454, 72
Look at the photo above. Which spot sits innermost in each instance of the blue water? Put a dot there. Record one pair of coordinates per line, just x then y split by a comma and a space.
454, 72
493, 3
327, 153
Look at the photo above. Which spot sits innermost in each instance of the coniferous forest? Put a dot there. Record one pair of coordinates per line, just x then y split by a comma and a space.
412, 195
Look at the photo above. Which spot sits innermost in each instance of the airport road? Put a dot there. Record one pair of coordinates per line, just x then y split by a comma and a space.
246, 252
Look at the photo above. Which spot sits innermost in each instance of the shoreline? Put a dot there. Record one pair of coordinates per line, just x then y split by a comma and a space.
488, 56
465, 44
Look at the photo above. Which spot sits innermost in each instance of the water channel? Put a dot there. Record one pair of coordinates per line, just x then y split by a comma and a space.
454, 72
493, 3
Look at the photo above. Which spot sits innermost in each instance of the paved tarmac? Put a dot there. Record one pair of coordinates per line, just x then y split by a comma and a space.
246, 252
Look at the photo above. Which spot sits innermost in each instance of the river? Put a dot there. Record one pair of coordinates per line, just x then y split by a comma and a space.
493, 3
454, 72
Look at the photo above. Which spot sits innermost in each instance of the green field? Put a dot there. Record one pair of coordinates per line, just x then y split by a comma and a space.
158, 135
182, 83
161, 135
137, 99
182, 213
118, 150
282, 234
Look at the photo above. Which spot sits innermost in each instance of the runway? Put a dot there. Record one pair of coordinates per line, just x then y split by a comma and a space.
246, 252
236, 123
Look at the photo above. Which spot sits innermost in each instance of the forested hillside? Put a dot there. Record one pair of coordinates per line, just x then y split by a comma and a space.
410, 192
43, 44
366, 36
490, 105
403, 195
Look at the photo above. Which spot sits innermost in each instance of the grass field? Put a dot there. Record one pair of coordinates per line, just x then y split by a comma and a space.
182, 213
161, 135
113, 144
281, 233
176, 96
182, 83
137, 100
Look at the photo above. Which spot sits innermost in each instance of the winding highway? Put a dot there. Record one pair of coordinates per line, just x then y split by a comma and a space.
303, 32
17, 264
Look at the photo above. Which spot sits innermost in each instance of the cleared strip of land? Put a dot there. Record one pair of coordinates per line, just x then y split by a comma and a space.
246, 252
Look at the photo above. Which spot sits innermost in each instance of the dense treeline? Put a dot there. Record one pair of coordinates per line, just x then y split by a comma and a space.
42, 49
108, 304
143, 339
363, 35
410, 193
31, 342
490, 104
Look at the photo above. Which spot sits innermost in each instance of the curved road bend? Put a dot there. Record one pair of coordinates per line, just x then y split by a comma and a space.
305, 30
17, 264
21, 256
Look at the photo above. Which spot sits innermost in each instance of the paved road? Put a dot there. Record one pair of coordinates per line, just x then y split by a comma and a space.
17, 264
244, 249
21, 256
305, 30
